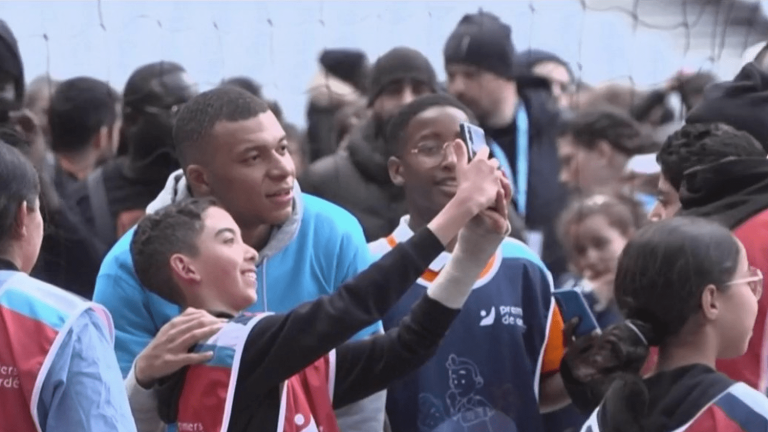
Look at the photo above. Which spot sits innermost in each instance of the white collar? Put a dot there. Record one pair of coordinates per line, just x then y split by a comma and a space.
403, 232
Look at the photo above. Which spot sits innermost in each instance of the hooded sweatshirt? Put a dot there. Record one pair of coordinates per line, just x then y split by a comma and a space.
741, 103
691, 398
358, 181
318, 248
735, 193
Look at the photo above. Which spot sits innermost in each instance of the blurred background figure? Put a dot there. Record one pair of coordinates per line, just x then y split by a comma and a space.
341, 80
554, 69
114, 197
594, 148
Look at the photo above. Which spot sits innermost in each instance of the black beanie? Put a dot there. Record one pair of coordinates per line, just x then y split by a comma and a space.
397, 64
483, 41
741, 103
349, 65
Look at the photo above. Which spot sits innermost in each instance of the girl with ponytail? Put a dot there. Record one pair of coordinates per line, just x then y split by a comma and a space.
685, 286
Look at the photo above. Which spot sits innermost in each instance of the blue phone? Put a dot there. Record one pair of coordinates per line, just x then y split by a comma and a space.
473, 137
572, 304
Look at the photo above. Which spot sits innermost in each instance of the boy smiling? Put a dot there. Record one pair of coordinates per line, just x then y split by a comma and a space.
288, 372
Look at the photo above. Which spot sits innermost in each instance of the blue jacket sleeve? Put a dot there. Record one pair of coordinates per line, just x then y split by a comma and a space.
137, 314
354, 257
84, 390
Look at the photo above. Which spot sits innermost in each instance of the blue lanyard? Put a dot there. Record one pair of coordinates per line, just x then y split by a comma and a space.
520, 178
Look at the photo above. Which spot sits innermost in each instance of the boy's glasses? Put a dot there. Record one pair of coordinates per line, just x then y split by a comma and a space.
432, 152
754, 280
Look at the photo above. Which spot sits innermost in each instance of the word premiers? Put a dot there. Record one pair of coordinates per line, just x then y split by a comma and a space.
9, 377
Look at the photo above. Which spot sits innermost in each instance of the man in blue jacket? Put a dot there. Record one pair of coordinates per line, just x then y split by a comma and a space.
232, 147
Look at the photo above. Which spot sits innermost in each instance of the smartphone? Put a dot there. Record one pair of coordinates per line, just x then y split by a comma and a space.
572, 304
473, 137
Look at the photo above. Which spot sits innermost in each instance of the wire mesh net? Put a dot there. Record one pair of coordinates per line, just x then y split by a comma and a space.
639, 42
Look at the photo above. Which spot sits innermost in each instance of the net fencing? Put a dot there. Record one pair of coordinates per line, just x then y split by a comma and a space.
640, 42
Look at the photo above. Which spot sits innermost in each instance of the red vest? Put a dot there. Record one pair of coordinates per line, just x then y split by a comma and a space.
34, 318
206, 399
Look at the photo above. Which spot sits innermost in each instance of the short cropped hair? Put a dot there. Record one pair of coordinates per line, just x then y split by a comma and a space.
401, 120
158, 236
702, 144
198, 117
79, 108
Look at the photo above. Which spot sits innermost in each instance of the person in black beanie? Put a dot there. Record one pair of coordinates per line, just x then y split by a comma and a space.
741, 103
113, 198
519, 116
340, 82
358, 178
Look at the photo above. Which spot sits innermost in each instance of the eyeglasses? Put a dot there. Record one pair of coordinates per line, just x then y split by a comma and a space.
754, 280
432, 152
172, 110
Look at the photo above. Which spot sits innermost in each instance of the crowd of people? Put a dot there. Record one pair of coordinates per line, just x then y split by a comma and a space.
191, 261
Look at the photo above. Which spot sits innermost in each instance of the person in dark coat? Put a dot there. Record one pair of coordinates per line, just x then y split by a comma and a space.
520, 116
358, 179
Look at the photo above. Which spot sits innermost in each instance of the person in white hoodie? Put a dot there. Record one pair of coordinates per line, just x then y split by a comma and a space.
232, 148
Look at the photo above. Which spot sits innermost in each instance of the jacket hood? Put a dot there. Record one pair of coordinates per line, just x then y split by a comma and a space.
730, 191
741, 103
11, 65
367, 152
526, 60
675, 398
176, 189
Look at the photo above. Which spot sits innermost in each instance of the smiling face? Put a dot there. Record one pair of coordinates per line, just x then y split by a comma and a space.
249, 170
424, 167
221, 277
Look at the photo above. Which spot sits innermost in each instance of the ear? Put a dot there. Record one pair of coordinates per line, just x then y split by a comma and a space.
710, 304
20, 222
395, 168
603, 150
100, 141
197, 180
183, 269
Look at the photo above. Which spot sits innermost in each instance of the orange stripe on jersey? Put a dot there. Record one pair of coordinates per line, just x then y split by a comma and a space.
431, 275
555, 348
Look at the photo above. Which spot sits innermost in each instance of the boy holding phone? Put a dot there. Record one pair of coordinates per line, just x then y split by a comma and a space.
498, 367
287, 372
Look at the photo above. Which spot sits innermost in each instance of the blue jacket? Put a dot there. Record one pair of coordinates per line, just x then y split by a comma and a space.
318, 248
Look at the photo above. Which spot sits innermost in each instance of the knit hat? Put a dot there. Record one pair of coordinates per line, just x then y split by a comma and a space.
741, 103
397, 64
484, 41
349, 65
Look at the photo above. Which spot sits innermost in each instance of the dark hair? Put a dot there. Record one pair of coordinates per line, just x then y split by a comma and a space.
622, 212
244, 83
158, 236
80, 107
660, 278
197, 119
402, 119
702, 144
20, 183
611, 125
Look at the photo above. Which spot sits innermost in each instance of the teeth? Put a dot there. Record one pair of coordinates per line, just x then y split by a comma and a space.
250, 276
